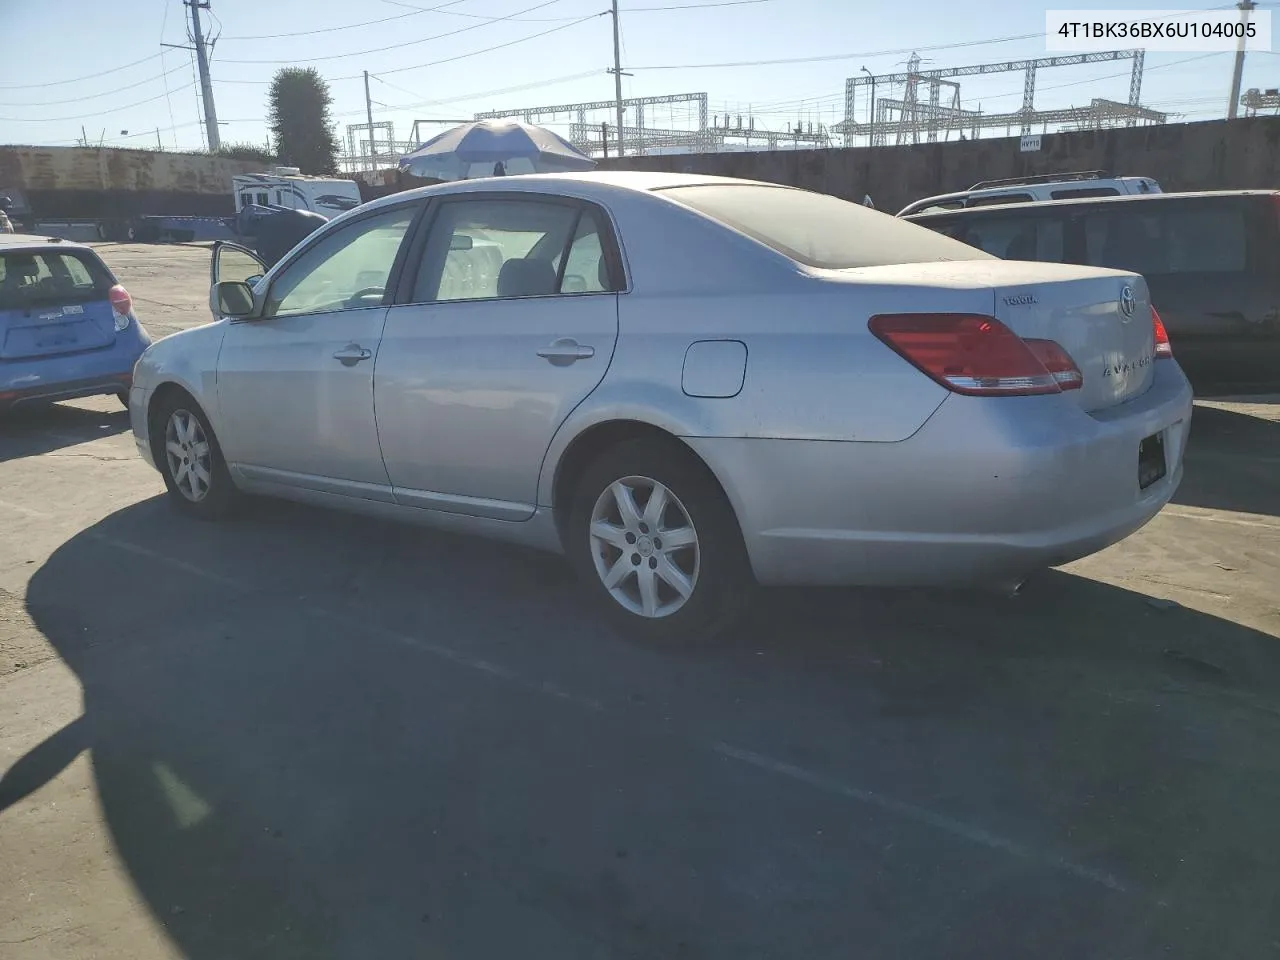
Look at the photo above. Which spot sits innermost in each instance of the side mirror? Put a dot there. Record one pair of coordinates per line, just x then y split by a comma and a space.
460, 241
234, 298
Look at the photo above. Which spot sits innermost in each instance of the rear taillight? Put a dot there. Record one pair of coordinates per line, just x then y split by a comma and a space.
1164, 349
1058, 362
121, 305
977, 355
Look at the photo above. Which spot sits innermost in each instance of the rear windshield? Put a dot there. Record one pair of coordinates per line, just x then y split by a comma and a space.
42, 278
818, 230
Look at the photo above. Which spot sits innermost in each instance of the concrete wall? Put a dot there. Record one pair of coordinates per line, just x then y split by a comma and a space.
1215, 155
69, 182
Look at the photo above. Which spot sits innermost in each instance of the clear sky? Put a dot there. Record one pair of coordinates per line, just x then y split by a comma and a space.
51, 49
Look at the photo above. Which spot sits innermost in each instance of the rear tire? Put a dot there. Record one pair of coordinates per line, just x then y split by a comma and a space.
190, 460
685, 590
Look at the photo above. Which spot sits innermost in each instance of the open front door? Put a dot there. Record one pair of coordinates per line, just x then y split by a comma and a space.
231, 261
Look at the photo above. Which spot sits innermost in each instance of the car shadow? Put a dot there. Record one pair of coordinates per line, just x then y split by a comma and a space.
31, 431
1232, 462
316, 736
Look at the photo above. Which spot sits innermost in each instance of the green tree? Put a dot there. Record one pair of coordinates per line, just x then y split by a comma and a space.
298, 112
245, 151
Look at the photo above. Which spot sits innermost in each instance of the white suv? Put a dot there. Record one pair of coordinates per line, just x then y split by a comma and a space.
1054, 186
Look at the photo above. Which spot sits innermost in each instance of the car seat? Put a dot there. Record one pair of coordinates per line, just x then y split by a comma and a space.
526, 277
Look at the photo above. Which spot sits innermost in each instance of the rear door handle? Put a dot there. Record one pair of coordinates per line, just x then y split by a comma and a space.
565, 351
352, 354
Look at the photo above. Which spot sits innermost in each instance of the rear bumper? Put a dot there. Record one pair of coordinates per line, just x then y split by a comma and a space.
986, 492
66, 377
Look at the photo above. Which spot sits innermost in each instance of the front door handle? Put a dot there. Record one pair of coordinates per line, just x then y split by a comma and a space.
565, 351
352, 354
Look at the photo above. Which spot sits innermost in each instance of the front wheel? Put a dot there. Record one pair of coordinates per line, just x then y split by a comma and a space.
190, 460
656, 542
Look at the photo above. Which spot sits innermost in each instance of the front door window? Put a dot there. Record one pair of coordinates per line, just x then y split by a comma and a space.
346, 270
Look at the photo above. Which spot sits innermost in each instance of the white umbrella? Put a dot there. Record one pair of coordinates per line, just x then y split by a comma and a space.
486, 147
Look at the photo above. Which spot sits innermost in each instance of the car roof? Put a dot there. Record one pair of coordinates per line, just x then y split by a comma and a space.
1090, 201
597, 184
28, 241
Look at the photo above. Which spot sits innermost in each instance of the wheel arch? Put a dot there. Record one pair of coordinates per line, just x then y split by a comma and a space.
588, 444
160, 394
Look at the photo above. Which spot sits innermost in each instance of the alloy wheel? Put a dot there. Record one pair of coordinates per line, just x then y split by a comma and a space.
187, 451
644, 546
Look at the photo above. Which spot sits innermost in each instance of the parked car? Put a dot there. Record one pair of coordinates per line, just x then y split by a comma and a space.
1211, 260
1053, 186
685, 383
67, 326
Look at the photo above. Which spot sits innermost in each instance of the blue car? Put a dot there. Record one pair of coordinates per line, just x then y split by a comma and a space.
67, 327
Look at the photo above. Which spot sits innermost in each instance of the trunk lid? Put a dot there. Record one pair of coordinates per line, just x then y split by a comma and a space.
1104, 323
49, 331
1085, 310
53, 301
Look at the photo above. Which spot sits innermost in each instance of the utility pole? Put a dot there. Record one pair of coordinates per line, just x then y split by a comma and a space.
1237, 73
368, 110
159, 145
617, 73
604, 139
871, 110
202, 64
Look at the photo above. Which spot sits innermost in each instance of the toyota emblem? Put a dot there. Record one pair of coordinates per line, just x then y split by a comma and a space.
1127, 303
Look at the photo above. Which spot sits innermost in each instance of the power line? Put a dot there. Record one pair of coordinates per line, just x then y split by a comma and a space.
397, 46
414, 11
96, 113
94, 96
841, 56
1109, 76
168, 100
127, 136
484, 16
349, 26
90, 76
461, 56
679, 6
462, 98
696, 6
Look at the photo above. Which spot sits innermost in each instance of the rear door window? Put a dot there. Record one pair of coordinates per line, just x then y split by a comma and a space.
1075, 192
30, 278
1168, 238
1012, 238
482, 249
999, 199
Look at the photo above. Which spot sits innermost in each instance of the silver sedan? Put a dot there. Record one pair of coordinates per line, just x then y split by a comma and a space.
686, 384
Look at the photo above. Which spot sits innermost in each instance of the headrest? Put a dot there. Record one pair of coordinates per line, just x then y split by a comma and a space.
526, 277
21, 265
